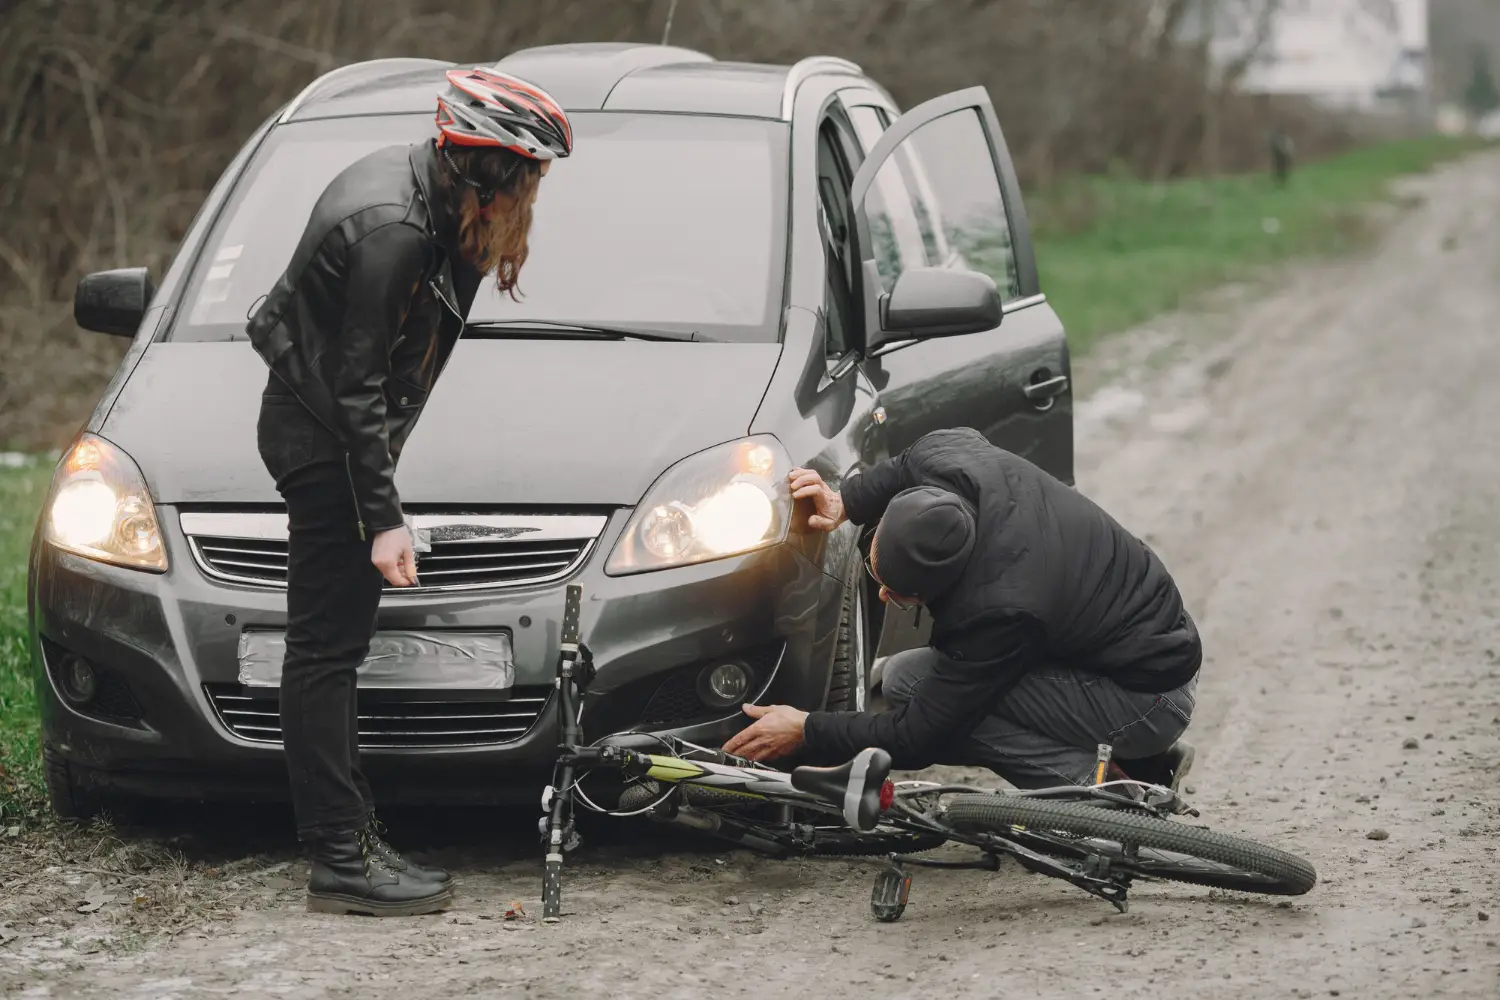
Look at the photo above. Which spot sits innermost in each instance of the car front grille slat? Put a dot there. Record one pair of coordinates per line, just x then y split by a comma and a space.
242, 564
254, 714
259, 732
566, 552
546, 567
247, 547
468, 552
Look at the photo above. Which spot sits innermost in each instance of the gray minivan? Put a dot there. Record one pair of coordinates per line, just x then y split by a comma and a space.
743, 268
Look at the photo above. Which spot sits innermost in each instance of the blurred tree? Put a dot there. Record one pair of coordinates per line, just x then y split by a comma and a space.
117, 116
1482, 96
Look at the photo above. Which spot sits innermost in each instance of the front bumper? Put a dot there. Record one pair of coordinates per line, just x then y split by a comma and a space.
171, 639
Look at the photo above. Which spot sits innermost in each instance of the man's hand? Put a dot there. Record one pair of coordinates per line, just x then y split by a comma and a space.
394, 556
777, 732
828, 506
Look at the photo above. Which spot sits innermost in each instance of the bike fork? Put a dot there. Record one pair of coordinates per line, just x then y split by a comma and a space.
559, 804
573, 673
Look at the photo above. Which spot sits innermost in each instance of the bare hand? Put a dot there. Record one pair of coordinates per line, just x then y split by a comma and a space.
777, 732
394, 556
828, 506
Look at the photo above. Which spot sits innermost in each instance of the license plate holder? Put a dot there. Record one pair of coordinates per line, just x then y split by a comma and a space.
401, 660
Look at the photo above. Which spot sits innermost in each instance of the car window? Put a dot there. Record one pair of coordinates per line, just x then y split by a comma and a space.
923, 204
869, 122
892, 209
958, 188
834, 176
670, 221
839, 317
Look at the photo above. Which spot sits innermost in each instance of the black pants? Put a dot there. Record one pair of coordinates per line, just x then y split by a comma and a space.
333, 594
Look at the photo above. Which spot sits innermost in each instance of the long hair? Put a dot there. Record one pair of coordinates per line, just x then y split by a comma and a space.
493, 238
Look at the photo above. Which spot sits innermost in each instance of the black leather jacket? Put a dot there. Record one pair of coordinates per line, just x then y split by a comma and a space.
347, 328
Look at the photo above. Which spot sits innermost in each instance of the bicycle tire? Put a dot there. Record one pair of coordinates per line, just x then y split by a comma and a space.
1263, 869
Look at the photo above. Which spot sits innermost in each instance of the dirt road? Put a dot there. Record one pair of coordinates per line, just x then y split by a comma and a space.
1319, 469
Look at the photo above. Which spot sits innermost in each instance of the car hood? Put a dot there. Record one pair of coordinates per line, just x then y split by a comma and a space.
510, 422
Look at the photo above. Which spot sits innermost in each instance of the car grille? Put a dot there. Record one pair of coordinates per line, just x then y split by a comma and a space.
467, 552
255, 714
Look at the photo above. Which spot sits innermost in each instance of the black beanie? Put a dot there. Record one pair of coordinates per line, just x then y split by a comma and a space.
923, 543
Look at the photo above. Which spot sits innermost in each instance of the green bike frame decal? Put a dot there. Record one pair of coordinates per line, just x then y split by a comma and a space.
672, 768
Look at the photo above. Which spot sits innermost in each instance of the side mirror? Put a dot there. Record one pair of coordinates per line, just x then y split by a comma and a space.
937, 302
113, 302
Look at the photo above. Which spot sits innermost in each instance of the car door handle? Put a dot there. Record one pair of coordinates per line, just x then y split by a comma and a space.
1047, 388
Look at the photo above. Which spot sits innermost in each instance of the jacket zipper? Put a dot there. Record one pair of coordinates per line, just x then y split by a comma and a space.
359, 518
462, 323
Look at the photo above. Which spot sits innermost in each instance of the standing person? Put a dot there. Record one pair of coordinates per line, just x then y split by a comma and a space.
1053, 628
355, 333
1281, 155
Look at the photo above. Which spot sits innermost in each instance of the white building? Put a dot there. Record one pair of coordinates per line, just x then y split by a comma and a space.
1346, 53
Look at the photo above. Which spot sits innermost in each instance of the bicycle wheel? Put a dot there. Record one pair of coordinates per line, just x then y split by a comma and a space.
1163, 849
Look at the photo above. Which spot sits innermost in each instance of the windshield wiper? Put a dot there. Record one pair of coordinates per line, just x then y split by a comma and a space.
523, 328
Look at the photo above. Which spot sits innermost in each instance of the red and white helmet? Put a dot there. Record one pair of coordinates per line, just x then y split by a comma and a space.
483, 107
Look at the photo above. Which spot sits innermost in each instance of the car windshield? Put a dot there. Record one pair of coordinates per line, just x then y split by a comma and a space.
667, 222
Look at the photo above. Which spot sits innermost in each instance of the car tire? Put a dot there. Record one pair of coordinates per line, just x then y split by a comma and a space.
69, 800
849, 683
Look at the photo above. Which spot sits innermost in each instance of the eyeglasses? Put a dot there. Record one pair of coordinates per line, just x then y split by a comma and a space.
893, 602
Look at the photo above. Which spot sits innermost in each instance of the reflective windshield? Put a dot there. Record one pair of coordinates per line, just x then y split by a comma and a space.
672, 222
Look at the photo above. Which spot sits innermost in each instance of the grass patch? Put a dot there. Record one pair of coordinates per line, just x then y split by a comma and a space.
1115, 251
21, 794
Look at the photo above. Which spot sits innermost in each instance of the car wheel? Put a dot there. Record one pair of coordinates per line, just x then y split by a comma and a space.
69, 800
849, 687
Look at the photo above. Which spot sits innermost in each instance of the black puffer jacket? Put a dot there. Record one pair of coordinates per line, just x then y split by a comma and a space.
1052, 579
374, 283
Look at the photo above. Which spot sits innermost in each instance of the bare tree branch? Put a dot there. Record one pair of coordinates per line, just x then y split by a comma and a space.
108, 173
324, 61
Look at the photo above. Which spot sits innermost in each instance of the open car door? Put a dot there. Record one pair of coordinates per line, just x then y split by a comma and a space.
937, 191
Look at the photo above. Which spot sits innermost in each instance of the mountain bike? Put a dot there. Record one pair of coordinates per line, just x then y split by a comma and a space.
1100, 837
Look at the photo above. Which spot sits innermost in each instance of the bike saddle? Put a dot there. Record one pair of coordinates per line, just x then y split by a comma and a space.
856, 786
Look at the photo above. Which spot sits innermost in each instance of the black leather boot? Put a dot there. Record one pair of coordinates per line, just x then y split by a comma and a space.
393, 859
350, 876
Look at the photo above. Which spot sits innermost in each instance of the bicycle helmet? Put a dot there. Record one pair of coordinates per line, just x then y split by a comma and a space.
485, 108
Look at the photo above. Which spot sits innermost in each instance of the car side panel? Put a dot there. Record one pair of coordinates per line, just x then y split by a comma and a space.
979, 381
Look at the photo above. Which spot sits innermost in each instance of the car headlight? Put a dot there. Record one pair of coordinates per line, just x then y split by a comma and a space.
99, 507
727, 500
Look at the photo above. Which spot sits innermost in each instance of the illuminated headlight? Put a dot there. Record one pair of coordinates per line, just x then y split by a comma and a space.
99, 507
720, 502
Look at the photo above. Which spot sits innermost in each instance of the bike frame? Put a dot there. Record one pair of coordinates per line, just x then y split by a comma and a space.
757, 783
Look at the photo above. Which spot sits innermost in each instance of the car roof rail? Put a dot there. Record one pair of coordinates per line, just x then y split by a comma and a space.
640, 55
810, 67
347, 72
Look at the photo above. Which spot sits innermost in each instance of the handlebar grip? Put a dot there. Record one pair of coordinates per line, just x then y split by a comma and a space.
552, 889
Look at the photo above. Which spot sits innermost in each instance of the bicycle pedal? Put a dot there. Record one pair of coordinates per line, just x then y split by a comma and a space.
888, 899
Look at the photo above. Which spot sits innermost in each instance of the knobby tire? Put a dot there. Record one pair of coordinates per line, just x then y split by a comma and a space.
1279, 873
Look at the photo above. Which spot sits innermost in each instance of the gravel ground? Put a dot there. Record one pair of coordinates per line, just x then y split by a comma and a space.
1311, 462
